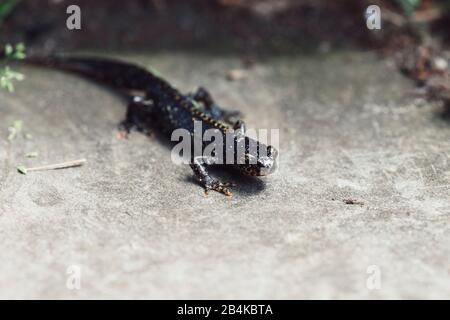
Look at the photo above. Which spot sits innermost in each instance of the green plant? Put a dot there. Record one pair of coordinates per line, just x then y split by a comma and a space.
6, 7
407, 6
7, 75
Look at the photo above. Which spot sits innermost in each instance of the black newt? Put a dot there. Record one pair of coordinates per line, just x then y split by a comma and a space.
168, 109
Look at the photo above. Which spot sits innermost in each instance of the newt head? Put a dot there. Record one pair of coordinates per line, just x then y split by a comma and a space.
260, 163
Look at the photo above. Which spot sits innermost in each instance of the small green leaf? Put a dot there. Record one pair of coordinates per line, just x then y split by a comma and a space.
18, 125
15, 129
20, 47
22, 169
19, 55
20, 51
7, 76
9, 50
9, 86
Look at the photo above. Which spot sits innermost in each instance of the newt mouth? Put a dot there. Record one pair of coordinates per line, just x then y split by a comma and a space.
267, 171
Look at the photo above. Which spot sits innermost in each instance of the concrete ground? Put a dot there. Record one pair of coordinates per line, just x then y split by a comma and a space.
136, 226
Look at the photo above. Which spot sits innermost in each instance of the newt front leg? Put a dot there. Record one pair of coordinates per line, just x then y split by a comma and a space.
139, 116
202, 175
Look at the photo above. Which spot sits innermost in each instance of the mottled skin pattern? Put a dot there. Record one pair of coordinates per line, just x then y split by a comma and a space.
155, 100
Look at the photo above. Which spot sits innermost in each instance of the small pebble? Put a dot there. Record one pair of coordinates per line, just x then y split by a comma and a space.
236, 74
440, 64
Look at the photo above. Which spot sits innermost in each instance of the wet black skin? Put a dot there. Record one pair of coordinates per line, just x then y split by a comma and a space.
154, 100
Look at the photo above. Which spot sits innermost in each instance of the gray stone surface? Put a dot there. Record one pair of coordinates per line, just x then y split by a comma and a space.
139, 228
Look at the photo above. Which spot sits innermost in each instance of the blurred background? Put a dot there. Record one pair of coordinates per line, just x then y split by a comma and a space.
415, 32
